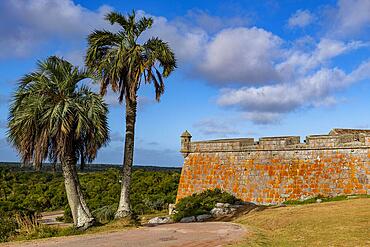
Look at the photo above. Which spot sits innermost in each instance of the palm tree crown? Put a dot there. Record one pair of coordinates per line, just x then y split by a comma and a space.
123, 63
51, 115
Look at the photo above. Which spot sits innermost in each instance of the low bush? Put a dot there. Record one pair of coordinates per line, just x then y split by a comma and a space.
202, 203
8, 226
105, 214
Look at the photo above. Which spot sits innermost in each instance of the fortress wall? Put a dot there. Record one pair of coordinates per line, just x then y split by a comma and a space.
273, 170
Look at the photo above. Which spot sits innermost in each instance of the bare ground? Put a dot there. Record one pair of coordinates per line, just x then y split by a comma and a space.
190, 235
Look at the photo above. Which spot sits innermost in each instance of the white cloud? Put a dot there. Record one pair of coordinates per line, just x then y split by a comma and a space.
217, 128
262, 118
349, 18
266, 104
212, 24
242, 55
187, 41
299, 62
30, 23
301, 18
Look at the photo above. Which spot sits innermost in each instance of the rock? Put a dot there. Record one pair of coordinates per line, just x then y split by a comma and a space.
188, 219
217, 212
203, 217
160, 220
171, 209
318, 200
222, 205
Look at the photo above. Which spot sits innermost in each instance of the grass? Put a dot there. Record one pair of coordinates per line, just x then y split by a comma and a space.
325, 199
34, 231
335, 223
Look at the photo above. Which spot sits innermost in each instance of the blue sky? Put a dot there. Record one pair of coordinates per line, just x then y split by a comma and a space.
245, 69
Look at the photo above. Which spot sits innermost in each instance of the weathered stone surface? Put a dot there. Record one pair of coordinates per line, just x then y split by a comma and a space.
188, 219
273, 170
160, 220
203, 217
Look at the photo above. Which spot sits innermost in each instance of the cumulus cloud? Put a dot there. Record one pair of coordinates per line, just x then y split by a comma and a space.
307, 81
30, 23
187, 41
211, 23
299, 62
262, 118
266, 104
301, 18
213, 127
349, 18
241, 55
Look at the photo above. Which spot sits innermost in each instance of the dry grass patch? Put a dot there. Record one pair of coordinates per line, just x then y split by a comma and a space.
342, 223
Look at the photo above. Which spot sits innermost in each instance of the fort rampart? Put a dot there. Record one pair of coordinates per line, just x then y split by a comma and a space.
275, 169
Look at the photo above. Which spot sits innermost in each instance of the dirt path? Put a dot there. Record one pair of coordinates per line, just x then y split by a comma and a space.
190, 235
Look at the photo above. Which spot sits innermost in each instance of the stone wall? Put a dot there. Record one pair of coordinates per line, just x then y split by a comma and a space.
275, 169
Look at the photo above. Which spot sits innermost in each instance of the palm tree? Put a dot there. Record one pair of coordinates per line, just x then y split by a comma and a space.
124, 64
51, 114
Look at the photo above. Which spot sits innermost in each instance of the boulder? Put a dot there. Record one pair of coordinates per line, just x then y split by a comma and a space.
203, 217
188, 219
160, 220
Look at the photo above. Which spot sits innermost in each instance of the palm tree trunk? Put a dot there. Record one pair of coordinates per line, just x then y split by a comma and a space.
124, 202
37, 165
82, 218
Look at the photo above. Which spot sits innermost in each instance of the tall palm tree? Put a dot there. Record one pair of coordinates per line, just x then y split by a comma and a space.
51, 114
124, 63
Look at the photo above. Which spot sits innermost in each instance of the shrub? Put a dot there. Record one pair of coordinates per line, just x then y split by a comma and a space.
202, 203
8, 227
105, 214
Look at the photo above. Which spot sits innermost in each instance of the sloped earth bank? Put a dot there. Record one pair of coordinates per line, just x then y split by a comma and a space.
179, 234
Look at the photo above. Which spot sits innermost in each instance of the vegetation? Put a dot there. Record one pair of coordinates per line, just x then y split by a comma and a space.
202, 203
123, 64
336, 223
27, 193
52, 116
324, 199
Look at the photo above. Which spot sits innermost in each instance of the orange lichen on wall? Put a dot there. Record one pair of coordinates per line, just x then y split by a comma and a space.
273, 176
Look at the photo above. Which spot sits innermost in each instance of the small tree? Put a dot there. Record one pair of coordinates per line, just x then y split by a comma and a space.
51, 116
123, 63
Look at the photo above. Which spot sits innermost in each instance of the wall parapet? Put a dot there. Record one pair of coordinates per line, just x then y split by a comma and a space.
357, 140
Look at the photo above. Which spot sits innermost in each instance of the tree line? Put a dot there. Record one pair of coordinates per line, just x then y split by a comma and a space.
35, 192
